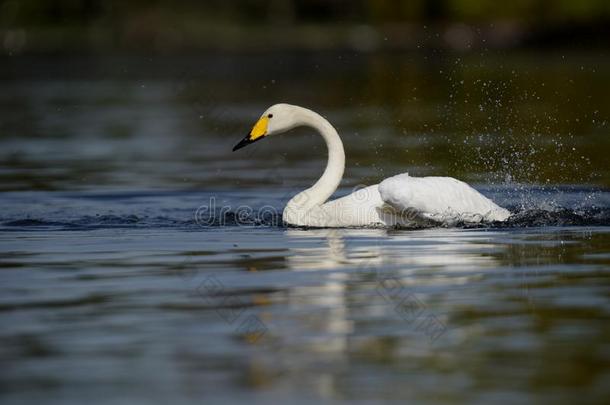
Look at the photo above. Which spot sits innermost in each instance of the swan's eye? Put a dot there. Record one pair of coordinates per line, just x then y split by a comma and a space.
270, 116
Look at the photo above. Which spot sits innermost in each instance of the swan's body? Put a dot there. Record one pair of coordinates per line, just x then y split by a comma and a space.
401, 200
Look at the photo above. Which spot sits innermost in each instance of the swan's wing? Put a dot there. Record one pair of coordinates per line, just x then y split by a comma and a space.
439, 198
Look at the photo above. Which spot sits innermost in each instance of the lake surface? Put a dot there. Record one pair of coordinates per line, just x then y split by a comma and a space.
142, 261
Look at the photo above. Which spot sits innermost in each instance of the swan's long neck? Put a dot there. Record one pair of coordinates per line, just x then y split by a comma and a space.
328, 183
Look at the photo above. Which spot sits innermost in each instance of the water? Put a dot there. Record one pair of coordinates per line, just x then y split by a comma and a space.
117, 287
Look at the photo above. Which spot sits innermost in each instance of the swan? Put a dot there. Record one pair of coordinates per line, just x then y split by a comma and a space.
398, 201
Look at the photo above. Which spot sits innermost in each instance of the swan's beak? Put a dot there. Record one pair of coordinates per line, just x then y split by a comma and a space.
258, 132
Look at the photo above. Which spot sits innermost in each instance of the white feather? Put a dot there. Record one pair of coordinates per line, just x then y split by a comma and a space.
441, 199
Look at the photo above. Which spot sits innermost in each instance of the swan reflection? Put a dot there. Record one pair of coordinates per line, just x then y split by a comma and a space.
338, 311
402, 251
352, 264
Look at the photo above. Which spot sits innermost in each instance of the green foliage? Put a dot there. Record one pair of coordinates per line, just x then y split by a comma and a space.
241, 24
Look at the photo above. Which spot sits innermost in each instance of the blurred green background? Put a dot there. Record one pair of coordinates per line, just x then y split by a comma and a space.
179, 25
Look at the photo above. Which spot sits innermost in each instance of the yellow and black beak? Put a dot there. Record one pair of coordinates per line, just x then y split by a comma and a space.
258, 132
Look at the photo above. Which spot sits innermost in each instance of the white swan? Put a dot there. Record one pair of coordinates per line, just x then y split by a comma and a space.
401, 200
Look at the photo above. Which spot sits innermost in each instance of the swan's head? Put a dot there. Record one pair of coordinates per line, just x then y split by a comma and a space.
276, 119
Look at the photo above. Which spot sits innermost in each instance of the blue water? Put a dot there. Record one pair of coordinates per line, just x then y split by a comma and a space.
117, 297
143, 262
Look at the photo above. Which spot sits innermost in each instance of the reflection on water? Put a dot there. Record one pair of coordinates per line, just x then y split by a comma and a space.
171, 122
123, 311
